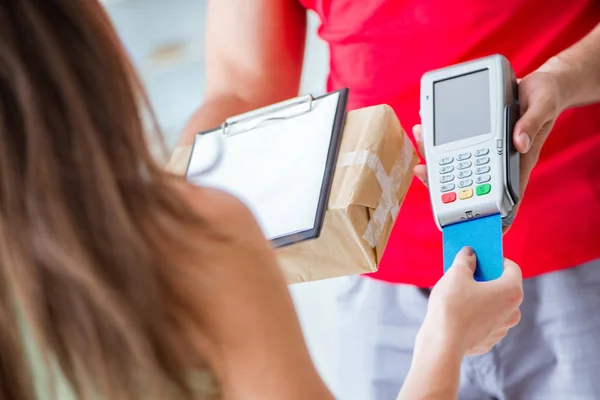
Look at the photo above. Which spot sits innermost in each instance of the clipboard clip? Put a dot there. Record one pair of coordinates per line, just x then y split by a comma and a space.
263, 115
266, 114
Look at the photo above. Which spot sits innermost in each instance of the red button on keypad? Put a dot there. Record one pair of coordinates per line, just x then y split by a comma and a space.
449, 197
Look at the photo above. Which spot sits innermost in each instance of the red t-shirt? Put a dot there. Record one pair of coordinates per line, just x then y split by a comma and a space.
381, 48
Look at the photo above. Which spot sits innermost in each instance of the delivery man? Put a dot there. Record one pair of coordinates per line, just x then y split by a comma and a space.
379, 49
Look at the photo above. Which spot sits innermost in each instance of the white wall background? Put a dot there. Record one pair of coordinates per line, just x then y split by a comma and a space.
165, 40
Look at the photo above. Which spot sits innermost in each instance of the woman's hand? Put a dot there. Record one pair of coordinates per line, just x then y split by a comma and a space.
472, 316
464, 317
420, 170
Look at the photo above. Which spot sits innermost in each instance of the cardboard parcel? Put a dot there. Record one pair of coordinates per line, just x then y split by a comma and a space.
372, 176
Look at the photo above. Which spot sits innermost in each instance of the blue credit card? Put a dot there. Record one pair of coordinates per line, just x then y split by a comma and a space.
484, 235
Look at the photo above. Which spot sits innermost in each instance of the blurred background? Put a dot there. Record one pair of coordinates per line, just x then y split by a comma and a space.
165, 39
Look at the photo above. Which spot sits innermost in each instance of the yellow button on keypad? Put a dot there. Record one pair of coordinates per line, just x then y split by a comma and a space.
465, 194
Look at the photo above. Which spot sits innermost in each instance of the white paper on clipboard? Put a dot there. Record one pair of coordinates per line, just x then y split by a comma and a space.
276, 168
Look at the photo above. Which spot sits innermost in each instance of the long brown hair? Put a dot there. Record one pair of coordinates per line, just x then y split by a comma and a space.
86, 214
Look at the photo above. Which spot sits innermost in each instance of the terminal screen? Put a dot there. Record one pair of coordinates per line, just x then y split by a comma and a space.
461, 107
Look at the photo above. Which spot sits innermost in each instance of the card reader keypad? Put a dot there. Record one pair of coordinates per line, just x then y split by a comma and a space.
465, 194
482, 160
466, 168
447, 187
446, 169
447, 178
464, 164
463, 156
482, 170
483, 179
465, 183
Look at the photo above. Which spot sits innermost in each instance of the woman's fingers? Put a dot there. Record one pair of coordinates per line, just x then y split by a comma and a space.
420, 172
418, 134
514, 319
510, 284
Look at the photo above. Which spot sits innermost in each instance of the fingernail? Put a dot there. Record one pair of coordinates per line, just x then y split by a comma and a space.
417, 135
526, 141
466, 251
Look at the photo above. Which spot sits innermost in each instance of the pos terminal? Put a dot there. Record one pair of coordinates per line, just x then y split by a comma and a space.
468, 114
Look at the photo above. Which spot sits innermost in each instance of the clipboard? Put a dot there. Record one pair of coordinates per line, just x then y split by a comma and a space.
274, 142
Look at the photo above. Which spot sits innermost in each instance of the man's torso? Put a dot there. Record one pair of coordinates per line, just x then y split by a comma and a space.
380, 49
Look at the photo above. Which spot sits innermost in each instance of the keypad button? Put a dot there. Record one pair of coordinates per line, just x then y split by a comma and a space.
481, 152
463, 156
464, 174
465, 194
447, 187
446, 169
464, 164
483, 179
446, 178
482, 170
448, 197
446, 160
482, 161
465, 183
483, 189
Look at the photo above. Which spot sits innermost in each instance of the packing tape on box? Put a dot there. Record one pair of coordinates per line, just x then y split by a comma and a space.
484, 235
389, 204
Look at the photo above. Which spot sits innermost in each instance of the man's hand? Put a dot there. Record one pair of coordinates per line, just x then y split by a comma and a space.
254, 55
569, 79
541, 100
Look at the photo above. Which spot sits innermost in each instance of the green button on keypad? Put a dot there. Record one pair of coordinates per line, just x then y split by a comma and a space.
483, 189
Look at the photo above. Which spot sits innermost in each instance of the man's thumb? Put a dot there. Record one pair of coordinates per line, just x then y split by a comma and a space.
465, 259
526, 129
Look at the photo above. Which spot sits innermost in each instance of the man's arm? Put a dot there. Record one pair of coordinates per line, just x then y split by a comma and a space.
254, 56
578, 69
569, 79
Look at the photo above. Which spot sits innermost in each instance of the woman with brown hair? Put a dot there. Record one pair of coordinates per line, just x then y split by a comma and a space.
121, 281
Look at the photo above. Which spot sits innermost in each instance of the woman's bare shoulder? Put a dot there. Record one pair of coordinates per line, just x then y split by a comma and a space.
219, 208
243, 299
